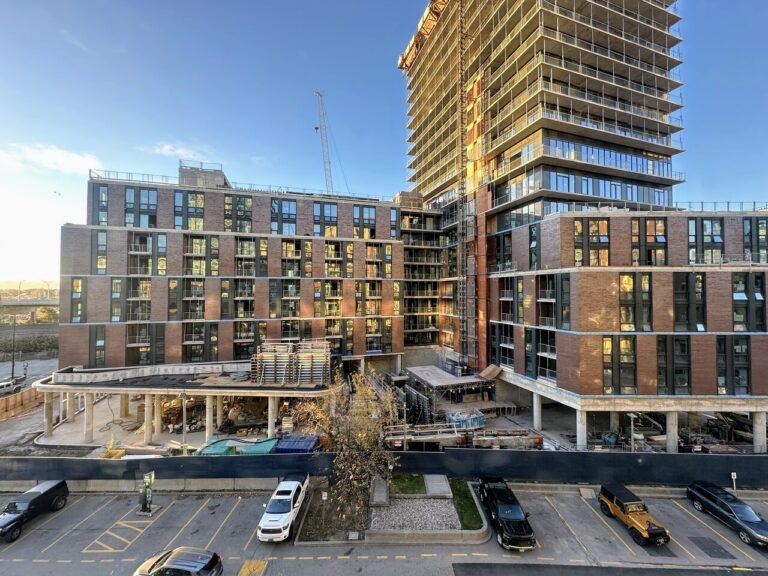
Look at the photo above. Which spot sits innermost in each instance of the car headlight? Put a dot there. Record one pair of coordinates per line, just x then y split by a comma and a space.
284, 528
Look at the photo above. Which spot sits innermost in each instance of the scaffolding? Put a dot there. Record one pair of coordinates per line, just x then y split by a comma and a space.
305, 364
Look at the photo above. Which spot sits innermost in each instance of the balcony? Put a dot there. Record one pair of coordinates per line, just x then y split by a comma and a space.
333, 294
139, 295
506, 294
424, 294
138, 340
245, 335
547, 350
547, 374
503, 266
137, 316
194, 294
547, 294
140, 271
547, 321
139, 248
507, 317
247, 294
195, 315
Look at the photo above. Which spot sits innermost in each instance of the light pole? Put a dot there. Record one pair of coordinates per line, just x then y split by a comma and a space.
13, 349
632, 417
183, 398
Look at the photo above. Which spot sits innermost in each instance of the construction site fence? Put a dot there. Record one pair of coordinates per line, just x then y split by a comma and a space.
15, 404
515, 465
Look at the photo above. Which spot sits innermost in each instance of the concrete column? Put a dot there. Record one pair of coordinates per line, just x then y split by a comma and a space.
219, 410
71, 406
581, 429
398, 363
362, 365
62, 406
147, 418
537, 412
125, 406
208, 418
758, 432
48, 414
271, 416
88, 420
157, 414
615, 421
672, 438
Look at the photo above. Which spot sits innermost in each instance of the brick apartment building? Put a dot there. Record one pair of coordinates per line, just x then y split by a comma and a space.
584, 281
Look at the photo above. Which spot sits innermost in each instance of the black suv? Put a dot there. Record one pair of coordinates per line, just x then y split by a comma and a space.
513, 531
50, 495
183, 561
731, 511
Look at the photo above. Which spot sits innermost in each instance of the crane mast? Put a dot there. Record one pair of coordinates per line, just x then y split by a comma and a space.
323, 130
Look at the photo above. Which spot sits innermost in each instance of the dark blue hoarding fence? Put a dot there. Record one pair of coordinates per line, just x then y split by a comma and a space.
524, 466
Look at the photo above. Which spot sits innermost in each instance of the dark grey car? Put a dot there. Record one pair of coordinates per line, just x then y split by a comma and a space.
184, 561
49, 495
734, 513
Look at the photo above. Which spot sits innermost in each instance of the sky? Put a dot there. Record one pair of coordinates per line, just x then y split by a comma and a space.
134, 86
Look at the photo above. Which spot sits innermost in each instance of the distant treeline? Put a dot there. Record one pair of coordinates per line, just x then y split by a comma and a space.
30, 344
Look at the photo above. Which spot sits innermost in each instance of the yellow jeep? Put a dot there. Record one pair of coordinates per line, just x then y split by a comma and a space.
617, 501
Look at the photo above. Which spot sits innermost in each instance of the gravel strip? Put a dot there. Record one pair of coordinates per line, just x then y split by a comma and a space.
416, 514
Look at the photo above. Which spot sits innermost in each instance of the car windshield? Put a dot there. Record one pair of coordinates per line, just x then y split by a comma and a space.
14, 507
279, 506
636, 507
161, 559
745, 513
511, 512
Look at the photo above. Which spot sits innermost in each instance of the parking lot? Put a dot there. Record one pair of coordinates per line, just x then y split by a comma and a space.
102, 534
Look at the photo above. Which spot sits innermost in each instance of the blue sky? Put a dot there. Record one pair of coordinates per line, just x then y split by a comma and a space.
135, 85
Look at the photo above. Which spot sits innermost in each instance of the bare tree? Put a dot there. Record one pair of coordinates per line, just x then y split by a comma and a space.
353, 418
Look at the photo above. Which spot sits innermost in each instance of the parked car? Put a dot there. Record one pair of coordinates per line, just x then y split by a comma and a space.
509, 520
734, 513
617, 501
50, 495
282, 510
10, 387
184, 561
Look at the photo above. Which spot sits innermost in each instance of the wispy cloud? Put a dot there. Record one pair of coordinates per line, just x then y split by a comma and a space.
47, 157
179, 150
72, 40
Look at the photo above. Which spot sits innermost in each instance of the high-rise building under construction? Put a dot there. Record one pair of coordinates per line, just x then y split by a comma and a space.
545, 130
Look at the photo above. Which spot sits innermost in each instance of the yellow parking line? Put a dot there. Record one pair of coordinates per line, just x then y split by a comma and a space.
28, 532
459, 555
596, 513
362, 557
87, 561
572, 531
426, 555
107, 560
723, 538
128, 525
740, 569
100, 543
381, 557
40, 560
117, 536
401, 557
237, 503
576, 560
342, 557
323, 557
203, 505
289, 557
306, 557
68, 532
63, 561
544, 558
253, 568
482, 554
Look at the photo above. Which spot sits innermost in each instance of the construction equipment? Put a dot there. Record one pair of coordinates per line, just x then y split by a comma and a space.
323, 130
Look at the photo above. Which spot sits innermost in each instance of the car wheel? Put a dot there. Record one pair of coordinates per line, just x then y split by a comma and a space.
745, 537
59, 503
637, 537
13, 534
498, 539
698, 505
605, 509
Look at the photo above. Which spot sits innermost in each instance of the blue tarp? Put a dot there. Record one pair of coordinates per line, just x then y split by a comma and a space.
296, 445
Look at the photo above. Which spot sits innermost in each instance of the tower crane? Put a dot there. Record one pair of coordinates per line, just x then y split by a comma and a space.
323, 130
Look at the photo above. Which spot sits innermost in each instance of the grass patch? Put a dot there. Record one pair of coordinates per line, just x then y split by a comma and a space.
407, 484
469, 515
320, 522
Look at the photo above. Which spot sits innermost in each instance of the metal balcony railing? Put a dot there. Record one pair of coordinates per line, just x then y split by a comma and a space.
507, 317
197, 315
547, 321
194, 294
546, 294
139, 294
140, 248
506, 294
138, 339
137, 316
549, 349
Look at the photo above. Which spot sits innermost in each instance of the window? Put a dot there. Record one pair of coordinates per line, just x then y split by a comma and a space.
325, 218
649, 241
129, 219
748, 301
364, 221
534, 254
101, 264
77, 310
705, 241
393, 220
596, 245
103, 196
619, 365
148, 199
130, 198
756, 240
635, 302
690, 301
733, 365
673, 365
283, 217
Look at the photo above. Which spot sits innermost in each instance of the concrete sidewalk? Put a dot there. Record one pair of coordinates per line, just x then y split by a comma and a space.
437, 486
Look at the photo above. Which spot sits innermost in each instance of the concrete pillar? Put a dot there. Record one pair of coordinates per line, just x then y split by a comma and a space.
88, 420
398, 363
147, 418
157, 414
71, 406
362, 365
219, 410
125, 406
208, 418
672, 438
48, 414
581, 429
62, 406
537, 412
758, 432
615, 421
271, 416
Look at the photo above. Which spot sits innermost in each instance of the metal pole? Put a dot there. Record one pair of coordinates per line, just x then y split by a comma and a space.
183, 397
632, 432
13, 349
405, 427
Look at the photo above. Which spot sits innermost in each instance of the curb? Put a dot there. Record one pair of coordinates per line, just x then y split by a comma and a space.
317, 543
